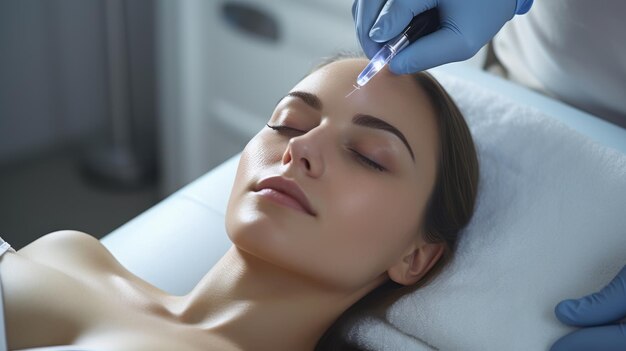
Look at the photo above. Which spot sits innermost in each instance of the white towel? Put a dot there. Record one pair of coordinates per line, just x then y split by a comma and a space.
550, 224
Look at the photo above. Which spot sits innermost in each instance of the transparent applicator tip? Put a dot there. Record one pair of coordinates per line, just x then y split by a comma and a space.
376, 64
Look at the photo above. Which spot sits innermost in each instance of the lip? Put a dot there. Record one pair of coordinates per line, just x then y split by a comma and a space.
288, 188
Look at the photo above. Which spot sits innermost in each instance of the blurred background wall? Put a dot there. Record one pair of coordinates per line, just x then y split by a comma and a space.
77, 115
109, 106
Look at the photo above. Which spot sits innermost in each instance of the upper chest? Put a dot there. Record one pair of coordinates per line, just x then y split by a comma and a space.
67, 288
74, 272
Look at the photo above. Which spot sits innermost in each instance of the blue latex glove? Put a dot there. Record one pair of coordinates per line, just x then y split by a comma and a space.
596, 312
467, 25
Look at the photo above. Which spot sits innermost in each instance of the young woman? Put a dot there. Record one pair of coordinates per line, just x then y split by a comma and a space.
334, 198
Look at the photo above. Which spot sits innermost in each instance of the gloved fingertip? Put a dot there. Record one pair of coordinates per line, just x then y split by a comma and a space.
395, 69
397, 66
376, 35
569, 342
566, 311
383, 30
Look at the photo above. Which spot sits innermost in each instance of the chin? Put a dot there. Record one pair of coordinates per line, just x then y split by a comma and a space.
264, 236
254, 231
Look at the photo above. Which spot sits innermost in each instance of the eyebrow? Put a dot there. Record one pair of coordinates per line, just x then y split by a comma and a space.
310, 99
359, 119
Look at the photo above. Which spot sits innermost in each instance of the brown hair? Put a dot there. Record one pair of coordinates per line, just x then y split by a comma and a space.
449, 208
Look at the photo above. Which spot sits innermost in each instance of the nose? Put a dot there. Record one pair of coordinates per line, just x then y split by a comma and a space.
305, 154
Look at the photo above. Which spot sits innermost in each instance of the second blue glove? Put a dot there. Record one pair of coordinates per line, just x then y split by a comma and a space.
596, 312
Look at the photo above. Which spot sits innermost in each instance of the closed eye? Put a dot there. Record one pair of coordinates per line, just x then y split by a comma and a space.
289, 131
367, 162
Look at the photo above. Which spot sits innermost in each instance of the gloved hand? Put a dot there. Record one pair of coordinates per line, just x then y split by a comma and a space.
596, 312
466, 25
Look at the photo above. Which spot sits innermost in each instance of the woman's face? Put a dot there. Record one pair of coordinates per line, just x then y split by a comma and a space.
366, 165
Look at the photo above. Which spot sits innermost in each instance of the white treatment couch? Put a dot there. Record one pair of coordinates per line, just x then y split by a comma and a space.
173, 244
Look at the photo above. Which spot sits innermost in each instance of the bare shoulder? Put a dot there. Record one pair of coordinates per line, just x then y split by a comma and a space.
63, 249
59, 239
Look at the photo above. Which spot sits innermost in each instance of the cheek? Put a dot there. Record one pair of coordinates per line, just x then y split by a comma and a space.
255, 157
370, 228
258, 155
261, 152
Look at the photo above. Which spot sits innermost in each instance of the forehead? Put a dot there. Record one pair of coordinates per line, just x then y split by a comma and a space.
340, 76
397, 99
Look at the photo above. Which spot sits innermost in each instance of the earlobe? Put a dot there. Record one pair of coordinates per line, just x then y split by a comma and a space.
413, 266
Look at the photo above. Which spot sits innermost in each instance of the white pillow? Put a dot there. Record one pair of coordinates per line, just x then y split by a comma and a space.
550, 224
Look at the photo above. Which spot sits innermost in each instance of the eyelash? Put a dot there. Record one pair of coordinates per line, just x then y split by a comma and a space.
358, 156
367, 162
285, 129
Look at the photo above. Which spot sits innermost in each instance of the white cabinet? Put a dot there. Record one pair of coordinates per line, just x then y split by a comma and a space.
223, 65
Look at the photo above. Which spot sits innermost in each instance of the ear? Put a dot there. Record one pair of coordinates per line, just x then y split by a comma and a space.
415, 263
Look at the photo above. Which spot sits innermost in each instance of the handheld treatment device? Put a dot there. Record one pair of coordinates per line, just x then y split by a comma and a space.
421, 25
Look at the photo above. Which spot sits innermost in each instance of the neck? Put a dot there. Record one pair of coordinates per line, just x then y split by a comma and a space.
262, 307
